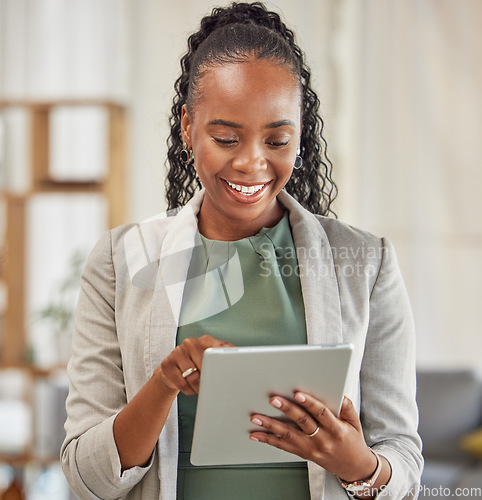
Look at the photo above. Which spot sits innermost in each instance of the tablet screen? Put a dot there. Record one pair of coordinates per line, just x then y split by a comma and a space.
237, 382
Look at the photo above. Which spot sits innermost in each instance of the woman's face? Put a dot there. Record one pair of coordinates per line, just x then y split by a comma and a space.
244, 131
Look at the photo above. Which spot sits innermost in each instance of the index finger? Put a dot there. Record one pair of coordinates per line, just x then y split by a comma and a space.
317, 409
196, 347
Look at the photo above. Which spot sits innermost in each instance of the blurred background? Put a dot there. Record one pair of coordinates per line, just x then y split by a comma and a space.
85, 92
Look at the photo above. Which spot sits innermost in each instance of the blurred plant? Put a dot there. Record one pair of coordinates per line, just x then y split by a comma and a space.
59, 313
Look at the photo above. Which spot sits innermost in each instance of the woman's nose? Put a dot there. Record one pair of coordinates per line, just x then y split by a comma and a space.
249, 160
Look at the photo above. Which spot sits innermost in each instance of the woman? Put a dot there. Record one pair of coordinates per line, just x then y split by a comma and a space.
245, 124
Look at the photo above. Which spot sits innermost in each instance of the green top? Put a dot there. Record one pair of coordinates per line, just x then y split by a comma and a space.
246, 292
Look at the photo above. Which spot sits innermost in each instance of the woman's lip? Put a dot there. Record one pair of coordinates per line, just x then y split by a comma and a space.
243, 198
247, 184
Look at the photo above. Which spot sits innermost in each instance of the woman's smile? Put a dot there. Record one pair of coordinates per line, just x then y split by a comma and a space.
244, 193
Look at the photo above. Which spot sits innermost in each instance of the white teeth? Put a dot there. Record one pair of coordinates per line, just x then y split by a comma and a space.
246, 190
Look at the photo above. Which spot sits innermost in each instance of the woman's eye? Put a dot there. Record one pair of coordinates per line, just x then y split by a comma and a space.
278, 144
227, 142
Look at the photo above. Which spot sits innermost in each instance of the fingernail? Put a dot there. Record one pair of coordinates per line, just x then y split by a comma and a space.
300, 397
253, 438
276, 403
256, 421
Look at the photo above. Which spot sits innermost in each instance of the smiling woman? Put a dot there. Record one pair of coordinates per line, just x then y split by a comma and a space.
250, 259
244, 131
236, 36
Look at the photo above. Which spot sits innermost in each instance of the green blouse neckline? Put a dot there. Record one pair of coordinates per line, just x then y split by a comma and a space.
275, 232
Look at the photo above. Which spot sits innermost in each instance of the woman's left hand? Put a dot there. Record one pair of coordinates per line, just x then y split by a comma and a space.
338, 445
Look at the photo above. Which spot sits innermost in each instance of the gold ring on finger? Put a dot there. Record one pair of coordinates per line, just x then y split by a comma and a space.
314, 433
189, 371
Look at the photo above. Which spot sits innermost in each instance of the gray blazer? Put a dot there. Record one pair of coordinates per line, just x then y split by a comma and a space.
126, 324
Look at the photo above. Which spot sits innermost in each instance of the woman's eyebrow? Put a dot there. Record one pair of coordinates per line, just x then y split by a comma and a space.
281, 123
218, 121
225, 123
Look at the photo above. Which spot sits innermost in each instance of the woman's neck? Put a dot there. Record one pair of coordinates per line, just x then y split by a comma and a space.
216, 226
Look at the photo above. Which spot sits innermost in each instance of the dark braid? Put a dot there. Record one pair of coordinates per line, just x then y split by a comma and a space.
312, 185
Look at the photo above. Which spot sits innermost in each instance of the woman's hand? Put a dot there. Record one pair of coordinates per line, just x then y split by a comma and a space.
184, 357
138, 425
336, 444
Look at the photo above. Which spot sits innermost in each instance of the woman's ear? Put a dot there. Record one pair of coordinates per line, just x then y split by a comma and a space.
186, 126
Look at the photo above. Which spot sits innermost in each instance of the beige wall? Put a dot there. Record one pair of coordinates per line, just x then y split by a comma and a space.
410, 149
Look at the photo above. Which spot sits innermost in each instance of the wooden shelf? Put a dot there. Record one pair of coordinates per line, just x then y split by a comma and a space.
53, 187
33, 370
14, 349
27, 458
49, 186
14, 346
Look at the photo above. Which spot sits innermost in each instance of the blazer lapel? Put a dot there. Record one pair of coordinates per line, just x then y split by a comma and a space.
174, 257
319, 283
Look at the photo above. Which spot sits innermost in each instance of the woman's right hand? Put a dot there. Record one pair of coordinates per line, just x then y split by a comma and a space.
187, 355
138, 426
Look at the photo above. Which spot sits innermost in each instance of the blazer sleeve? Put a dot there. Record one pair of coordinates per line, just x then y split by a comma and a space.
388, 410
89, 454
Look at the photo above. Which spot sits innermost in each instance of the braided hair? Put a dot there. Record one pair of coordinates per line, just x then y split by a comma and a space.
261, 33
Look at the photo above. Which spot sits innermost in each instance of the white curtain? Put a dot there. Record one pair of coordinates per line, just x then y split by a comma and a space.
52, 49
408, 148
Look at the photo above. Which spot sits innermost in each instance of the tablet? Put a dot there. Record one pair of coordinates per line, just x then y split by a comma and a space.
236, 382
